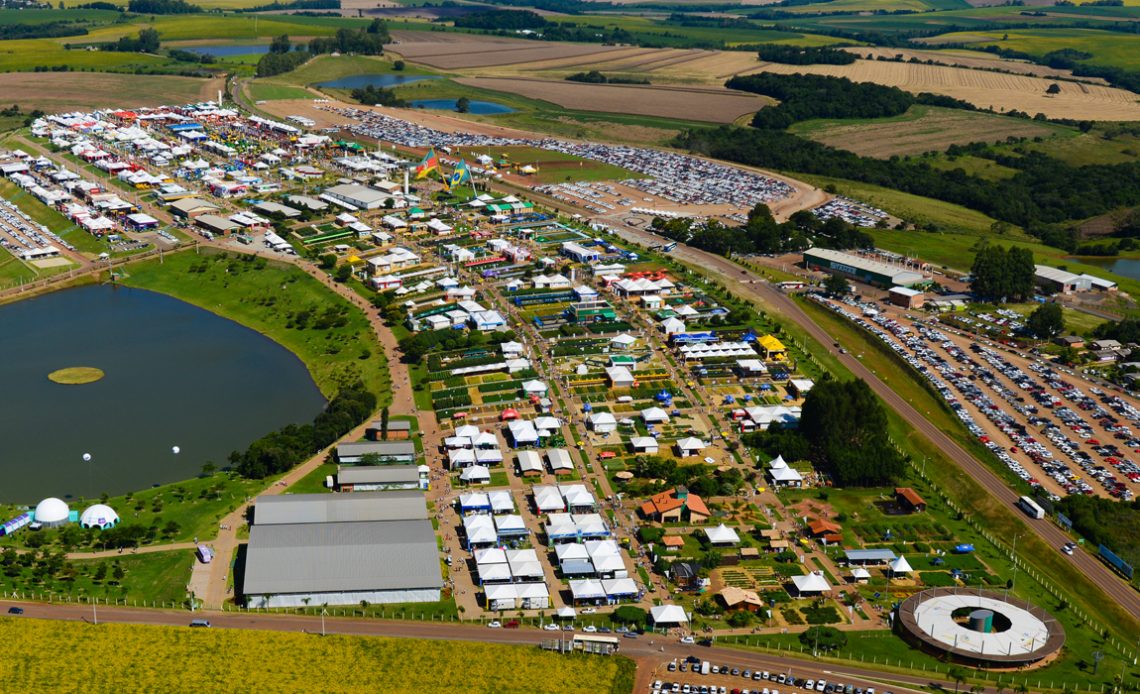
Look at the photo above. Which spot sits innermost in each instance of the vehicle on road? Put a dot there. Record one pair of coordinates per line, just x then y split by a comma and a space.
15, 610
688, 639
200, 623
494, 624
551, 627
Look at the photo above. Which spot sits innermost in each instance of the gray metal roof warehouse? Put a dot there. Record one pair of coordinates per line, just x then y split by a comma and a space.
873, 556
292, 509
389, 451
378, 474
868, 270
339, 558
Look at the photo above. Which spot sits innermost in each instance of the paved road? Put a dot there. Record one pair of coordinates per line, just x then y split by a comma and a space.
650, 651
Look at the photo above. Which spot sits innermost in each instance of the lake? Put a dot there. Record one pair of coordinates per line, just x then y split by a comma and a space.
480, 108
1125, 267
229, 50
176, 375
387, 80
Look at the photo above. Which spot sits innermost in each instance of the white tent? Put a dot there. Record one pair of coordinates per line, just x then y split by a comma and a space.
501, 501
722, 535
534, 387
567, 612
689, 446
529, 461
812, 583
587, 589
480, 529
654, 415
900, 566
623, 341
602, 422
476, 474
668, 614
860, 574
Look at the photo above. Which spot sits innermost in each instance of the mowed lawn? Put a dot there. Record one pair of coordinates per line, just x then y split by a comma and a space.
139, 658
13, 271
922, 129
331, 336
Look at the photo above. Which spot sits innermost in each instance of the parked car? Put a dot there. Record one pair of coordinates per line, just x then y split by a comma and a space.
15, 610
494, 624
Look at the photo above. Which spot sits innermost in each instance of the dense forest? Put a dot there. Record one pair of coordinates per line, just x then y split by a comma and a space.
46, 30
146, 41
162, 7
1043, 195
504, 20
282, 58
762, 234
803, 97
1003, 274
843, 432
377, 96
804, 55
277, 452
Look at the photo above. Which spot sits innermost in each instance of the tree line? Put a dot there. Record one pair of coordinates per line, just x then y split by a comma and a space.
504, 20
595, 77
283, 58
804, 55
843, 432
1042, 196
761, 233
162, 7
46, 30
281, 450
372, 95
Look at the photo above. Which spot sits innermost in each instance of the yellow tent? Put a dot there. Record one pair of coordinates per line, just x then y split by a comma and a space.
773, 348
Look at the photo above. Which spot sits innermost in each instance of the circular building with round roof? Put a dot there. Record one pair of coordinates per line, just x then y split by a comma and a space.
99, 516
980, 627
51, 512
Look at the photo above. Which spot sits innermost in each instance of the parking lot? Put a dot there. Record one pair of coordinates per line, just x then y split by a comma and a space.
696, 676
1047, 425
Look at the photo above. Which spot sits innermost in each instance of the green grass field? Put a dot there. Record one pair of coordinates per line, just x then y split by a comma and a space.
879, 6
155, 577
13, 271
129, 657
272, 299
261, 91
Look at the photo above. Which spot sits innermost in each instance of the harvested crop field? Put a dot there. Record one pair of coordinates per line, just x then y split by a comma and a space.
54, 92
921, 129
686, 103
450, 51
659, 65
987, 89
971, 59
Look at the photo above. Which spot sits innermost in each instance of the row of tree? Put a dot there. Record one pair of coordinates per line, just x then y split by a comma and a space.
595, 77
372, 95
281, 450
804, 55
283, 56
762, 234
162, 7
502, 20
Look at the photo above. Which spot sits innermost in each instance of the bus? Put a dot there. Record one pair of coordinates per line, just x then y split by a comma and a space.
589, 643
1031, 508
205, 555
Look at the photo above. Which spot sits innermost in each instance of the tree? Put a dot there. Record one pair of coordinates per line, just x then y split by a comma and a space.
845, 427
280, 44
100, 573
398, 66
740, 618
463, 104
328, 261
1054, 88
958, 675
1046, 321
117, 573
628, 614
384, 423
1003, 274
837, 285
822, 638
209, 468
343, 273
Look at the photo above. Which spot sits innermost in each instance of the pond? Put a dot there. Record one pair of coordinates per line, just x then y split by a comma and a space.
175, 375
480, 108
376, 80
1125, 267
230, 50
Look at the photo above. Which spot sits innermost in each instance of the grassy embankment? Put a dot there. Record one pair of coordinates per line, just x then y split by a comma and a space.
164, 659
332, 337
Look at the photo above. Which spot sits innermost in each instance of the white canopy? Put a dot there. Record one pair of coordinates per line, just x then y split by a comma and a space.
859, 573
669, 614
722, 535
475, 473
567, 612
811, 583
901, 566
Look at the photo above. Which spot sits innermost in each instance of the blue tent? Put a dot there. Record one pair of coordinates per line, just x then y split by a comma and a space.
963, 549
747, 398
729, 399
664, 396
587, 407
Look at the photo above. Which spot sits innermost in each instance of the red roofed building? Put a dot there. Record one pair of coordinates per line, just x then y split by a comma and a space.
825, 530
909, 499
675, 506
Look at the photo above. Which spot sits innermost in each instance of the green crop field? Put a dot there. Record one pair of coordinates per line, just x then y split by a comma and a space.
38, 16
879, 6
332, 337
264, 91
1107, 47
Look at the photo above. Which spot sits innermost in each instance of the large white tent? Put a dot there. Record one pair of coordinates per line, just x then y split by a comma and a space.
811, 583
668, 614
900, 566
722, 535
